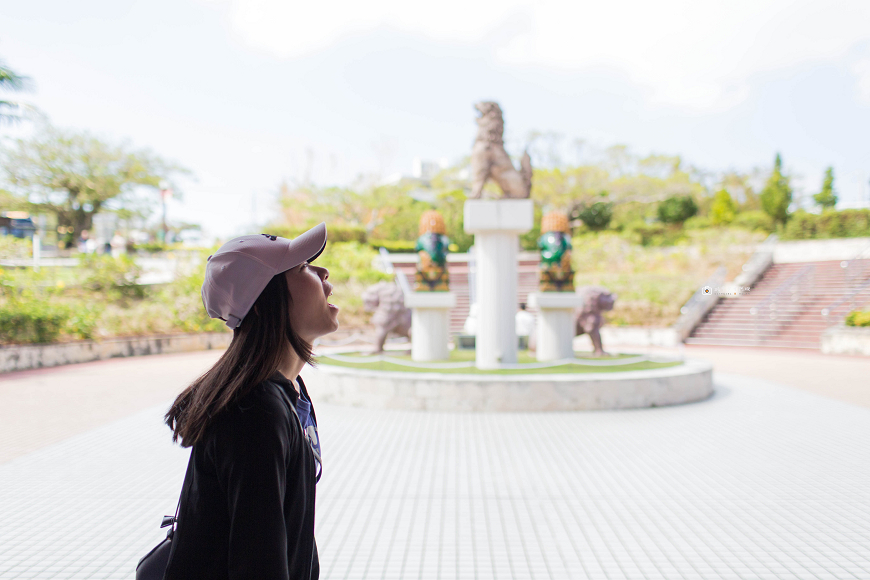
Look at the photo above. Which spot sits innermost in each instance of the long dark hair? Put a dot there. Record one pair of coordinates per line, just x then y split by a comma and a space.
257, 350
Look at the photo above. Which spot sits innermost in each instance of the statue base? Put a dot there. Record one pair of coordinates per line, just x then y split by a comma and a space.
555, 325
430, 324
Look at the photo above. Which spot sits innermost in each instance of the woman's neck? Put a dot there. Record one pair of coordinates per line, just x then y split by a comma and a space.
291, 367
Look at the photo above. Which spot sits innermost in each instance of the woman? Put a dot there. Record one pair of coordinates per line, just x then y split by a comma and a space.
247, 503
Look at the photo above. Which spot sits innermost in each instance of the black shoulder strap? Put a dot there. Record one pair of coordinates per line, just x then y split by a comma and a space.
302, 427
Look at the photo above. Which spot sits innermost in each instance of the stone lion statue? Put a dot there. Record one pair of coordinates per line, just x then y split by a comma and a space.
588, 319
385, 299
489, 160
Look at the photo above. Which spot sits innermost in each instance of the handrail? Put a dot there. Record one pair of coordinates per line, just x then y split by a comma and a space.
851, 273
699, 304
700, 294
802, 282
401, 279
758, 263
834, 306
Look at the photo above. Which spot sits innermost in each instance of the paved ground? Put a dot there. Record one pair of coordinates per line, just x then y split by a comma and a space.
761, 481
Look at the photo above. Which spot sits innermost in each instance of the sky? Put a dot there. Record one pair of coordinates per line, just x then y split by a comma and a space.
247, 94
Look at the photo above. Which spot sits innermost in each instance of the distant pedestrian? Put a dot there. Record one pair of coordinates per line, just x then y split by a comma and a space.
247, 503
524, 321
118, 245
87, 245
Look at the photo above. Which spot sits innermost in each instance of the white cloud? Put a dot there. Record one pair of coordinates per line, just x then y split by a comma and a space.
861, 69
698, 55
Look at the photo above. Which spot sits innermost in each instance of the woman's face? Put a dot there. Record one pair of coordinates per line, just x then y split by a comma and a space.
311, 315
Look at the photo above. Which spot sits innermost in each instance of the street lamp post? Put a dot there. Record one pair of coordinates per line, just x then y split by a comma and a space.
165, 193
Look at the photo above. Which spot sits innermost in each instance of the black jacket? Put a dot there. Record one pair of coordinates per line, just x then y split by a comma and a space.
247, 503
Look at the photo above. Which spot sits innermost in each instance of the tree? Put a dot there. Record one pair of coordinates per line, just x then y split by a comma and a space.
677, 209
10, 81
597, 216
776, 195
827, 198
723, 210
74, 175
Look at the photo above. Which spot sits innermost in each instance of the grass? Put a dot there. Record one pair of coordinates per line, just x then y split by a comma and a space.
522, 357
652, 283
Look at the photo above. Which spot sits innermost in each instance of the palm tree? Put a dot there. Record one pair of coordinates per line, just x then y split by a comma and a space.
11, 81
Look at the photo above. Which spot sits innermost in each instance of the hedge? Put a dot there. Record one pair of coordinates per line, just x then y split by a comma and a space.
858, 318
847, 223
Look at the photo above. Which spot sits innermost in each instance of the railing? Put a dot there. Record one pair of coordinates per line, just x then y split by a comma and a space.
766, 314
846, 304
401, 279
854, 267
758, 263
701, 302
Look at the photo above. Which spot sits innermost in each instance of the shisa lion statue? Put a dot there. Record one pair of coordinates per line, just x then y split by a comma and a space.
387, 302
432, 248
588, 319
556, 273
489, 160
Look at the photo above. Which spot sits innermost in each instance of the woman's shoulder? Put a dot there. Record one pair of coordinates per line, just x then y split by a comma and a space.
261, 409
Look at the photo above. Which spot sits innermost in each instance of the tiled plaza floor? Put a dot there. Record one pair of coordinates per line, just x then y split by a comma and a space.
760, 481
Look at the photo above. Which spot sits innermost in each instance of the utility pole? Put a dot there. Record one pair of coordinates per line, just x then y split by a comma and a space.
165, 193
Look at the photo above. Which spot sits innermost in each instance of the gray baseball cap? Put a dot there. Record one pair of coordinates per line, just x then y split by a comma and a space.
238, 272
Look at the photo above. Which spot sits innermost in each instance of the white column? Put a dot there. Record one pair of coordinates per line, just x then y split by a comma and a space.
496, 225
430, 324
555, 326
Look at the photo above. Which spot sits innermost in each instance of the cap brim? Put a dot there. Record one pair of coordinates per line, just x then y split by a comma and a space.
306, 247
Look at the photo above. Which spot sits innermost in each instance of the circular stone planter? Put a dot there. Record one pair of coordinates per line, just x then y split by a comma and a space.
432, 391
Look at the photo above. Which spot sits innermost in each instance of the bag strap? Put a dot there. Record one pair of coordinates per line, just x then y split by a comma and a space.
302, 430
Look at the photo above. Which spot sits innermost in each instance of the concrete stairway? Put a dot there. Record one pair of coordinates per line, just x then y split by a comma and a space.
799, 322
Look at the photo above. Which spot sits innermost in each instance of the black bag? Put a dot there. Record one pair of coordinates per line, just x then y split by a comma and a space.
152, 566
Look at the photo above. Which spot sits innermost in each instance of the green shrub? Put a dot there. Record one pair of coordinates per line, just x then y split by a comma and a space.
848, 223
31, 322
42, 321
723, 210
529, 239
352, 261
858, 318
801, 226
156, 247
855, 223
754, 220
12, 248
118, 277
628, 213
395, 246
181, 302
597, 216
654, 234
698, 222
335, 233
677, 209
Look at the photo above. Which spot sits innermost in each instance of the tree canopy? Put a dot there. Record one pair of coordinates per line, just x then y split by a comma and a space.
777, 193
74, 175
10, 81
827, 198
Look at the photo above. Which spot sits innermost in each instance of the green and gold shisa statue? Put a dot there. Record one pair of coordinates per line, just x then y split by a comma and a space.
556, 274
432, 249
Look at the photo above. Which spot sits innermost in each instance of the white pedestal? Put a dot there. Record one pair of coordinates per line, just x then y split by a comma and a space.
555, 327
496, 225
430, 324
